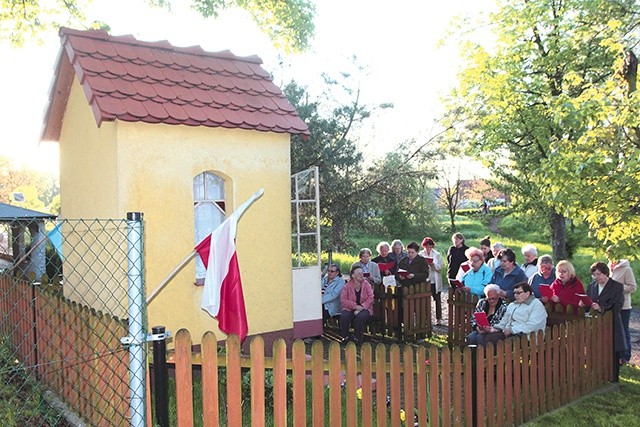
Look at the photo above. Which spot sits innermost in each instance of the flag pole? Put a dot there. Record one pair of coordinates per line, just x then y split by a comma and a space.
238, 212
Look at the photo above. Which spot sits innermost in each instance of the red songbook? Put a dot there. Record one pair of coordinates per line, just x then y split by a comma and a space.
386, 266
429, 260
403, 273
481, 319
366, 274
465, 267
545, 291
585, 299
457, 283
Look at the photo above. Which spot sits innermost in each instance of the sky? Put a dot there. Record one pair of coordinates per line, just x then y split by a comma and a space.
408, 62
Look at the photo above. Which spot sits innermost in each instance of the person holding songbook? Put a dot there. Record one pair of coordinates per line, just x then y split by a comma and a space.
370, 269
455, 255
413, 268
435, 262
508, 273
478, 276
606, 294
545, 276
526, 314
386, 264
488, 313
566, 286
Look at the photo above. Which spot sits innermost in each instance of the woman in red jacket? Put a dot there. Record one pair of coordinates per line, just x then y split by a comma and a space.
566, 286
356, 300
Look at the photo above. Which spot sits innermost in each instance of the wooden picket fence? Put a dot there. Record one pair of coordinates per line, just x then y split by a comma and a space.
508, 384
69, 349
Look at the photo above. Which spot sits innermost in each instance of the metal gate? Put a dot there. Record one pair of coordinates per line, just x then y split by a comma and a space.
72, 322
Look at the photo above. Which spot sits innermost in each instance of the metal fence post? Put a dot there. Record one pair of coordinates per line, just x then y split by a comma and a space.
136, 318
160, 378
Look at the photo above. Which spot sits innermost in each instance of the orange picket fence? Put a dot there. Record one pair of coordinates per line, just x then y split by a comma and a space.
508, 384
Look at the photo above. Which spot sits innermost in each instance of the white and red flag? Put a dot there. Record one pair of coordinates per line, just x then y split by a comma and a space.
222, 296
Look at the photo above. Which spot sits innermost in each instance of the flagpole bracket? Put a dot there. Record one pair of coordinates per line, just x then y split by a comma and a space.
129, 340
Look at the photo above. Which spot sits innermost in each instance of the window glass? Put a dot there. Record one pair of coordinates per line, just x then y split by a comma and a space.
209, 210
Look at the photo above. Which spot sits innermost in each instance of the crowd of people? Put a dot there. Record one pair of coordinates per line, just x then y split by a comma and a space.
512, 296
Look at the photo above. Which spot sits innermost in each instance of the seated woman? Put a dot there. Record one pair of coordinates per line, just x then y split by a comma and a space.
608, 295
332, 284
566, 286
545, 276
413, 268
494, 307
356, 300
369, 268
435, 263
384, 258
494, 262
479, 275
508, 273
523, 316
530, 266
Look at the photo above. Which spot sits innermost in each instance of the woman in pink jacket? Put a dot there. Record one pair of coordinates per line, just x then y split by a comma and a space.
356, 300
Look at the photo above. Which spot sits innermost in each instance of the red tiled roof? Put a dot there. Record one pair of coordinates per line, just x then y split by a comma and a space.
155, 82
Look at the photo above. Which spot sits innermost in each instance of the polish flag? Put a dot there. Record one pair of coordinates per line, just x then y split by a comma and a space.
222, 295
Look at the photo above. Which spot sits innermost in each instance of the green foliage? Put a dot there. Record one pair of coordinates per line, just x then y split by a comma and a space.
22, 400
288, 23
611, 409
537, 106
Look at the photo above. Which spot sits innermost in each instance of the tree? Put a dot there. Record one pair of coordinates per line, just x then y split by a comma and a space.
331, 148
288, 23
519, 99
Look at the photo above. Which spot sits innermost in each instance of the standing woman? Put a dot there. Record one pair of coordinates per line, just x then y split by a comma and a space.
567, 285
397, 253
621, 272
435, 261
607, 294
455, 255
356, 300
494, 262
485, 246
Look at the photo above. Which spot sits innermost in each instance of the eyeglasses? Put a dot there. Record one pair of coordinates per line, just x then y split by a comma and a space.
518, 292
333, 271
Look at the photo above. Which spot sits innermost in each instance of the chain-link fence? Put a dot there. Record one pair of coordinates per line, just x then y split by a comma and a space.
66, 296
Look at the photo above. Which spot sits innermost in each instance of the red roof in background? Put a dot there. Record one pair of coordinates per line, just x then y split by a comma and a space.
155, 82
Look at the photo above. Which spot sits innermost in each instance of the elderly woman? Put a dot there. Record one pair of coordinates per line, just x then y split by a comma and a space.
485, 246
494, 307
435, 262
621, 272
524, 315
479, 275
397, 252
332, 284
566, 285
508, 273
369, 268
455, 255
494, 262
530, 265
545, 276
413, 268
384, 259
356, 300
608, 295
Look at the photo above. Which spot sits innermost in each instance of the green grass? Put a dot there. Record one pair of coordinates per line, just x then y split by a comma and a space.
611, 409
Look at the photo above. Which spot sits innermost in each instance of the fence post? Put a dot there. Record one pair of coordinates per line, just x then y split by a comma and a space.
160, 381
136, 317
400, 296
474, 384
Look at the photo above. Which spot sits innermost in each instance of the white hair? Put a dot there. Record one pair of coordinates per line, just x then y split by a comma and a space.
491, 287
529, 249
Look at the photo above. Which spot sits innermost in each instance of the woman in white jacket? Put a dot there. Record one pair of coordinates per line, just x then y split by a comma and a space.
435, 261
621, 272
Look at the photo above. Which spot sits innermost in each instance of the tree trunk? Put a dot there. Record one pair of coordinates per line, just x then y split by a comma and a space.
558, 235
